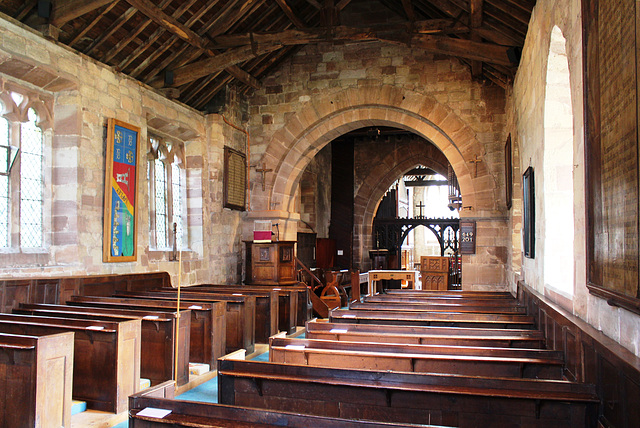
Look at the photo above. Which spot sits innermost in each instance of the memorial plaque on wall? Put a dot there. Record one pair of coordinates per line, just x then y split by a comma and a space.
467, 237
235, 179
611, 149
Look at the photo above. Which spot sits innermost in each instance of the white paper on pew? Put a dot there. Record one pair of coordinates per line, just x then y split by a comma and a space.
151, 317
348, 316
195, 307
296, 347
95, 327
237, 294
153, 412
277, 289
338, 330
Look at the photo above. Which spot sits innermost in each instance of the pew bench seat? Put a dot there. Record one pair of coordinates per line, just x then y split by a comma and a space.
464, 360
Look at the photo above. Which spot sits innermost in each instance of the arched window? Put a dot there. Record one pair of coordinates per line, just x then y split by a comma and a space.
22, 200
4, 186
31, 183
558, 170
168, 195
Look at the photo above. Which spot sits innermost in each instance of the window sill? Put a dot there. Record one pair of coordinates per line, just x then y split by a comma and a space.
166, 255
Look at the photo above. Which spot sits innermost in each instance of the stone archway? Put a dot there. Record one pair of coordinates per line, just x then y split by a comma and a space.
378, 181
326, 117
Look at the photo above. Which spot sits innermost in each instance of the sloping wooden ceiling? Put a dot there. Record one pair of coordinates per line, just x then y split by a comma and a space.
193, 49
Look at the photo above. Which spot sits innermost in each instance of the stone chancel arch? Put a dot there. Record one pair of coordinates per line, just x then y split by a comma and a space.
327, 117
324, 118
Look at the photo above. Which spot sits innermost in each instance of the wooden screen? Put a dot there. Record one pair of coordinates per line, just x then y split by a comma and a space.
235, 179
611, 87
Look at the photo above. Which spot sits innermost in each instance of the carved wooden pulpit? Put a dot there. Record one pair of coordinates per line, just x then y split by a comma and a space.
434, 272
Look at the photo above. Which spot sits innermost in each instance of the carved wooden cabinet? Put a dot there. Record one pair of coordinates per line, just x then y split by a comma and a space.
271, 263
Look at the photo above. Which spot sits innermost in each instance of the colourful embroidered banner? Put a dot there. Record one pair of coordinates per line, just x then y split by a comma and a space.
120, 192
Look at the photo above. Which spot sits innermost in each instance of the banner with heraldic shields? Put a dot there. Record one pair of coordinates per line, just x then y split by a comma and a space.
120, 224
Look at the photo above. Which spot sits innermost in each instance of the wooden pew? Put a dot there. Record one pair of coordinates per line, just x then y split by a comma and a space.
191, 414
451, 336
443, 319
35, 380
157, 361
384, 305
106, 355
444, 301
461, 360
287, 301
239, 315
304, 306
397, 397
451, 294
208, 325
267, 306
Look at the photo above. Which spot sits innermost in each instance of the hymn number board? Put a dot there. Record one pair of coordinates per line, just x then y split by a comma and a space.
467, 237
120, 225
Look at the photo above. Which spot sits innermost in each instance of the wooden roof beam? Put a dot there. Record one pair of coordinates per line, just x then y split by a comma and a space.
408, 9
89, 26
115, 26
182, 31
342, 4
124, 42
169, 22
196, 70
308, 35
476, 21
315, 4
511, 10
486, 52
329, 13
66, 10
290, 14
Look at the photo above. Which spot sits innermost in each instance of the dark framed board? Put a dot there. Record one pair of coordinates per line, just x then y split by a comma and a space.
528, 214
235, 179
611, 39
120, 193
508, 172
467, 237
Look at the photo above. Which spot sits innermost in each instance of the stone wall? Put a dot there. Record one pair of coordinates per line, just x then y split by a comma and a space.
327, 90
526, 123
85, 94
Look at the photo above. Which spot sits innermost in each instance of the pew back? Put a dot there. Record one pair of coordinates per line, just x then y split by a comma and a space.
106, 357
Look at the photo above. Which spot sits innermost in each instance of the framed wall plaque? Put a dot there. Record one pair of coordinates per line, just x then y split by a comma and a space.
508, 173
467, 237
611, 38
120, 193
235, 179
528, 214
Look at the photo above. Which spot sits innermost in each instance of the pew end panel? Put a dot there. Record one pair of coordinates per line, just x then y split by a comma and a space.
36, 376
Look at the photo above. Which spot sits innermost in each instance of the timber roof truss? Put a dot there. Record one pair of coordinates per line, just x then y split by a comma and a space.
192, 49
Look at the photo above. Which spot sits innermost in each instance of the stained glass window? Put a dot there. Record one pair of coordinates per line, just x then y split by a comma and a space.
31, 183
